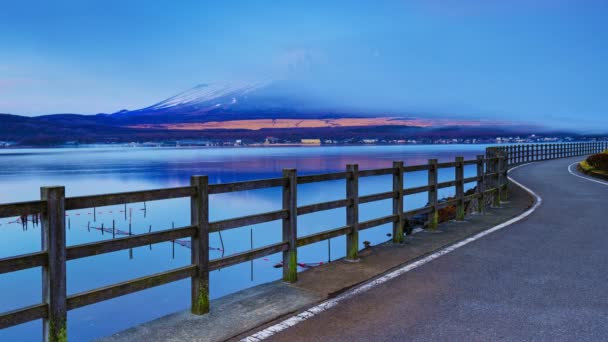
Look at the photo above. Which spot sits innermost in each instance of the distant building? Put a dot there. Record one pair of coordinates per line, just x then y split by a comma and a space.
310, 141
370, 141
271, 140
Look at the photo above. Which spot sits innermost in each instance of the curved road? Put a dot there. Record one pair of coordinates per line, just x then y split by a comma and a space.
542, 278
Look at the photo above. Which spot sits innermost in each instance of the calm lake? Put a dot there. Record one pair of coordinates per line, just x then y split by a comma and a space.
87, 171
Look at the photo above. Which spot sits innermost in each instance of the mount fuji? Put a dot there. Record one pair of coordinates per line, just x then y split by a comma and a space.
233, 101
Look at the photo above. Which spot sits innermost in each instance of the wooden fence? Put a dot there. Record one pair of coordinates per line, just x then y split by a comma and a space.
490, 180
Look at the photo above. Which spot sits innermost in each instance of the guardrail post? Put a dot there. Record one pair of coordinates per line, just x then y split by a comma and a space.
527, 153
433, 219
398, 202
459, 173
290, 226
54, 288
199, 217
352, 211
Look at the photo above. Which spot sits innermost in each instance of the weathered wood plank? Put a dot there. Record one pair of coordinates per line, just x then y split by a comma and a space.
313, 208
416, 190
446, 165
471, 179
22, 208
247, 220
246, 185
378, 222
133, 241
446, 184
414, 168
23, 315
418, 211
22, 262
82, 202
321, 177
108, 292
378, 197
376, 172
328, 234
238, 258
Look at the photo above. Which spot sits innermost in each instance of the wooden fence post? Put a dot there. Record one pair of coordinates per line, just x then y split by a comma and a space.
199, 217
481, 181
459, 173
503, 167
495, 181
54, 288
290, 226
352, 211
398, 201
433, 219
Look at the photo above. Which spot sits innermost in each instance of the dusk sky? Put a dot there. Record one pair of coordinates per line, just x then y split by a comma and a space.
541, 62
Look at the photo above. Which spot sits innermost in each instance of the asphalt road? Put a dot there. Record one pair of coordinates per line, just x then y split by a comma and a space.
542, 278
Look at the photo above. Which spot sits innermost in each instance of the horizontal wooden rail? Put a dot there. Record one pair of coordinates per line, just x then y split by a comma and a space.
321, 177
418, 211
472, 179
256, 253
446, 184
446, 165
23, 315
328, 234
415, 168
22, 262
246, 185
377, 197
247, 220
376, 172
416, 190
108, 292
23, 208
133, 241
82, 202
377, 222
313, 208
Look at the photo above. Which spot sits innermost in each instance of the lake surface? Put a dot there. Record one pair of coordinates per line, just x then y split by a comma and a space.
86, 171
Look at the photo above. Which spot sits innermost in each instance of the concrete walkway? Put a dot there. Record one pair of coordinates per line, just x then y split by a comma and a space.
542, 278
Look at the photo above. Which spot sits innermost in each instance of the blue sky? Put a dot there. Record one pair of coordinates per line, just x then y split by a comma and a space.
542, 62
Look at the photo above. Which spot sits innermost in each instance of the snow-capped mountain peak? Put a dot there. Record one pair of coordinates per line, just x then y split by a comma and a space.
209, 95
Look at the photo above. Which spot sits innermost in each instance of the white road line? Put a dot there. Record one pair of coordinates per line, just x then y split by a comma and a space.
583, 177
328, 304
